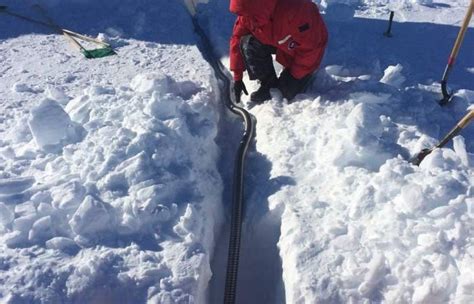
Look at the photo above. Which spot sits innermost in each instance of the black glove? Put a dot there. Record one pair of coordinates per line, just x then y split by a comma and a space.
290, 86
239, 87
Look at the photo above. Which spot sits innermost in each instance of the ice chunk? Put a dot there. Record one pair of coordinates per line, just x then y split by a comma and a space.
45, 209
79, 109
57, 94
423, 2
41, 229
464, 293
147, 83
15, 185
459, 146
375, 275
393, 76
412, 199
15, 238
97, 90
24, 223
364, 123
22, 88
162, 107
103, 37
369, 97
470, 207
189, 224
23, 209
41, 197
6, 215
68, 196
427, 240
62, 243
91, 218
426, 293
336, 227
51, 126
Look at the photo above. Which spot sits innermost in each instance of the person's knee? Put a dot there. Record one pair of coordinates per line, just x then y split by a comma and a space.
245, 42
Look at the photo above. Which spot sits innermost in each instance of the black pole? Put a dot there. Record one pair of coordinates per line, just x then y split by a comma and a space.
388, 33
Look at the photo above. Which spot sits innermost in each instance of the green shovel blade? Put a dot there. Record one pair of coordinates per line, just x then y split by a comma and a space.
98, 53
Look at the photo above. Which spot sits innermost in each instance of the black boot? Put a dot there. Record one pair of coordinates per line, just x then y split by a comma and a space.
263, 93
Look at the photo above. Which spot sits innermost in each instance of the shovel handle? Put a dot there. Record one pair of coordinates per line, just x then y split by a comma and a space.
86, 38
457, 129
466, 119
462, 33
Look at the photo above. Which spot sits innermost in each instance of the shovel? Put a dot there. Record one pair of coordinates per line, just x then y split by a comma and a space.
455, 131
105, 50
454, 54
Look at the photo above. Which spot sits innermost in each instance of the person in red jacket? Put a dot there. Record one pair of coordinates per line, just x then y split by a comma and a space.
292, 29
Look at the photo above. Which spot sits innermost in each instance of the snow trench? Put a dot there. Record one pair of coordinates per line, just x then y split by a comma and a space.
358, 222
113, 172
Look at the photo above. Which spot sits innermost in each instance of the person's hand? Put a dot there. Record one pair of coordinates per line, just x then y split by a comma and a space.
239, 87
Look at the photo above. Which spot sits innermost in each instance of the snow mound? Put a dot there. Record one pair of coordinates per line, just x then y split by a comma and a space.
127, 200
361, 224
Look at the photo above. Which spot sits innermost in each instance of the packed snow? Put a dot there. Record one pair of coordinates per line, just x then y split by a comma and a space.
109, 188
358, 223
115, 173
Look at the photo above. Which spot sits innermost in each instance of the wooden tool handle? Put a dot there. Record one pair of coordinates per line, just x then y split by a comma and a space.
462, 32
466, 119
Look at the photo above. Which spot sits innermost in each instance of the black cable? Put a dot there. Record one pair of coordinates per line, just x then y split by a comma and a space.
238, 186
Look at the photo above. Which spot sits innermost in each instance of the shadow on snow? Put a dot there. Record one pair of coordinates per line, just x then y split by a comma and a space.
158, 21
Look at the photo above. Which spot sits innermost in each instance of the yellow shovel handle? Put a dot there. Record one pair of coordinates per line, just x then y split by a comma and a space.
462, 32
466, 119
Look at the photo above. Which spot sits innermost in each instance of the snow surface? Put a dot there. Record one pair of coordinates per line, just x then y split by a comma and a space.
109, 188
115, 173
356, 222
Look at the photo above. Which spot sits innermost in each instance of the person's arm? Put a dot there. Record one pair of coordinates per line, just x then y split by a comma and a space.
236, 61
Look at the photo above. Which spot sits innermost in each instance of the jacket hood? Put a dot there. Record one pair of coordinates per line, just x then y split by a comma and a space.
261, 9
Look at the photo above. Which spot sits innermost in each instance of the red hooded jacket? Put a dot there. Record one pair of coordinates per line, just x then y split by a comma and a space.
294, 27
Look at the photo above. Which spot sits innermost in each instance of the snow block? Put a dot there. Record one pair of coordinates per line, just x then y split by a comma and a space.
68, 196
51, 126
63, 244
41, 230
393, 76
152, 82
6, 215
91, 218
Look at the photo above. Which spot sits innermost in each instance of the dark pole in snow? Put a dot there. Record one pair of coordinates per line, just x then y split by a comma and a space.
388, 33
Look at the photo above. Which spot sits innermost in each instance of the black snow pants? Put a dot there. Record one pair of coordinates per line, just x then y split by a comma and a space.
257, 58
259, 64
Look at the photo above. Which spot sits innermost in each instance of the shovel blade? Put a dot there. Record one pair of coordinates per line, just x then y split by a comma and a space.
419, 158
446, 99
98, 53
